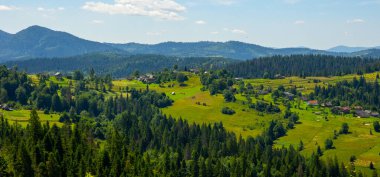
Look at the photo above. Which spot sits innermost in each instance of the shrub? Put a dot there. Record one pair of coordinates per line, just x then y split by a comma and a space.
376, 126
228, 111
344, 129
329, 144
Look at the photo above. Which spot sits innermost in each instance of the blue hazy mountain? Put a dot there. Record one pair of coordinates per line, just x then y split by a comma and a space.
37, 41
231, 49
40, 42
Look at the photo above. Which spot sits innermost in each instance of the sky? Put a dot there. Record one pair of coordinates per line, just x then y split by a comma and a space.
319, 24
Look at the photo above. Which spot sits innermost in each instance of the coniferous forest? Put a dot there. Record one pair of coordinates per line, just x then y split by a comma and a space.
303, 66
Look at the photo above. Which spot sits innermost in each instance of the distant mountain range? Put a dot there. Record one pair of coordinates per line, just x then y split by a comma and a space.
231, 49
37, 41
40, 42
119, 65
347, 49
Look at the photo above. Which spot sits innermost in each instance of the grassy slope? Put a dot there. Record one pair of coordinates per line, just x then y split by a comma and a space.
313, 129
21, 117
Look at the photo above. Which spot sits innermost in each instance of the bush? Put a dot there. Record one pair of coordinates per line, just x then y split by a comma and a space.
344, 129
376, 126
228, 111
329, 144
229, 96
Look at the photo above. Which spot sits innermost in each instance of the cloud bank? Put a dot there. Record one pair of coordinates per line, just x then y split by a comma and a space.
162, 9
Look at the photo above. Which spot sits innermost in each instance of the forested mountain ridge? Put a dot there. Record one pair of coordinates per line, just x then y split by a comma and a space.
347, 49
41, 42
37, 41
230, 49
117, 64
303, 66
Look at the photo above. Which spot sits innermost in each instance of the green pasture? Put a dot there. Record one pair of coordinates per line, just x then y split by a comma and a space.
22, 117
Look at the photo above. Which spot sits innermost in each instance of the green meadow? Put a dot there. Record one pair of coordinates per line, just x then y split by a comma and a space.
312, 129
21, 117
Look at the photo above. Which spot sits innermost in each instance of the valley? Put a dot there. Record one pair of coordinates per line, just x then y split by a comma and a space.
315, 125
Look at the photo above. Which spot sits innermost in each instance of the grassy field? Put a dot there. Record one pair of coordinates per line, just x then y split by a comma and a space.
313, 129
21, 117
245, 122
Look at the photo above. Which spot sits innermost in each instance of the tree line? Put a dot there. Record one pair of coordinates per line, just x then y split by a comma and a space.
302, 66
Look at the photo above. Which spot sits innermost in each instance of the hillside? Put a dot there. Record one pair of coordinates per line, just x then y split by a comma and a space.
230, 49
41, 42
303, 65
37, 41
119, 65
347, 49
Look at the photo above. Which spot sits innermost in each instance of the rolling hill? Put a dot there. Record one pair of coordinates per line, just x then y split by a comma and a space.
117, 64
230, 49
41, 42
37, 41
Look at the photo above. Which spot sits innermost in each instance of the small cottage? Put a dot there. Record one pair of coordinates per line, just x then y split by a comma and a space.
313, 103
362, 114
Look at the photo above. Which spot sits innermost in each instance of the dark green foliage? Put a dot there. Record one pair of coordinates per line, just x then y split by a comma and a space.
119, 65
303, 65
344, 129
358, 91
352, 158
228, 111
265, 107
329, 144
14, 86
376, 126
181, 78
216, 81
78, 75
229, 96
371, 166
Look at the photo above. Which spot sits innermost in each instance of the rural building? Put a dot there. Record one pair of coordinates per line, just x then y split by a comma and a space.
5, 107
262, 92
374, 114
148, 78
279, 76
289, 95
313, 103
195, 71
58, 75
345, 109
327, 104
362, 114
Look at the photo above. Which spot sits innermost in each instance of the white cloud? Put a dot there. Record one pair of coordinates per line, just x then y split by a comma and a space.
238, 31
97, 21
200, 22
357, 20
162, 9
215, 32
42, 9
299, 22
235, 31
5, 8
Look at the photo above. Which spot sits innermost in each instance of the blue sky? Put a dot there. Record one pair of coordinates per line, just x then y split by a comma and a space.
275, 23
